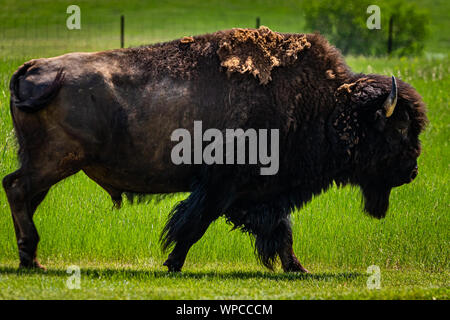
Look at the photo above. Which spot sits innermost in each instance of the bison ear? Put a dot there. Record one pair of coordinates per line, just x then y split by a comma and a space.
379, 121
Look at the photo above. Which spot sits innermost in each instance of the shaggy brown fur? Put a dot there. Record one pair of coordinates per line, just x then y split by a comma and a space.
259, 51
253, 51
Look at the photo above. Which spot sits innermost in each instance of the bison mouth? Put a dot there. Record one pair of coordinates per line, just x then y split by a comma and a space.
376, 200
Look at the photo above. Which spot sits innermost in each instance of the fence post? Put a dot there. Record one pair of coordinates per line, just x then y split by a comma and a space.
391, 22
257, 22
122, 28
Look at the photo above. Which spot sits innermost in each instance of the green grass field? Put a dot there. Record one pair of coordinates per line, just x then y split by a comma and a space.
118, 250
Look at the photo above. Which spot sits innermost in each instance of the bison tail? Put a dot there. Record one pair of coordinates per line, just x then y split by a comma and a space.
37, 102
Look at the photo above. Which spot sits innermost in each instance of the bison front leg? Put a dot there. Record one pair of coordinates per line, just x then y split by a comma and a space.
190, 219
187, 224
273, 238
23, 203
177, 257
286, 253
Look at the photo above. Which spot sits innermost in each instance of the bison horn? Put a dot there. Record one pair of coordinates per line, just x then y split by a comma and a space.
391, 101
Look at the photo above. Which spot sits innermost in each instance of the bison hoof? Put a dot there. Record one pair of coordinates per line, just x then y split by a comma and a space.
304, 270
296, 268
172, 267
27, 262
31, 265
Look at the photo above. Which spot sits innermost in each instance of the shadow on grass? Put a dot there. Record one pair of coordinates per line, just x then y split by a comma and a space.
120, 274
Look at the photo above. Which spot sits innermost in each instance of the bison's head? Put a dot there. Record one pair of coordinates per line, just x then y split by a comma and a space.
379, 129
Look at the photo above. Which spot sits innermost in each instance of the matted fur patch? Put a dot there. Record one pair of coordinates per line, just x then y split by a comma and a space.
258, 51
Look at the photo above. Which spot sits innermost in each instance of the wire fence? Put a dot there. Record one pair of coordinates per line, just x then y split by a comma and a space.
33, 37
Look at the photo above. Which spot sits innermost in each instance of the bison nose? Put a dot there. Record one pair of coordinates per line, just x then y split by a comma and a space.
414, 173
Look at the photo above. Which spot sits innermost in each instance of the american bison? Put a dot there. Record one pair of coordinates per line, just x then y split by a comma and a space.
111, 114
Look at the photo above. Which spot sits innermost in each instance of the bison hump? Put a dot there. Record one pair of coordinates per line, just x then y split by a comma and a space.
258, 51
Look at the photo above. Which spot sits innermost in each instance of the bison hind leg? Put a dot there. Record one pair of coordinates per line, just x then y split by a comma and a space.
25, 190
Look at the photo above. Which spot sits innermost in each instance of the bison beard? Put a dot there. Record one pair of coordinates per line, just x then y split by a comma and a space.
376, 200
